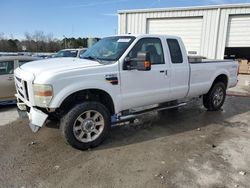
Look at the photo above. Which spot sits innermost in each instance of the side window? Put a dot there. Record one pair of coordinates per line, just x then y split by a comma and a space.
175, 51
6, 67
151, 45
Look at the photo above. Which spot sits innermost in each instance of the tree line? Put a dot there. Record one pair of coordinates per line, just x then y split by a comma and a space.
40, 42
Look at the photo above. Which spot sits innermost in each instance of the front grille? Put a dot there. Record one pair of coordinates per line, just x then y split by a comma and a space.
22, 88
26, 90
18, 79
20, 93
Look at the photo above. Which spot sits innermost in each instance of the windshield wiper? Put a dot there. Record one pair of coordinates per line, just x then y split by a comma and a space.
93, 58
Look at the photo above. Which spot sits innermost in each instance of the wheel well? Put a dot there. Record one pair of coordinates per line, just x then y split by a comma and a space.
221, 78
88, 95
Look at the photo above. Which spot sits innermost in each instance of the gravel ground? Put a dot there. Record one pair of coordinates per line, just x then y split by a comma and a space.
8, 114
190, 147
186, 148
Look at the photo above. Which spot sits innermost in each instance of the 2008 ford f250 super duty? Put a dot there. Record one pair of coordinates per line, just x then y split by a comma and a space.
113, 78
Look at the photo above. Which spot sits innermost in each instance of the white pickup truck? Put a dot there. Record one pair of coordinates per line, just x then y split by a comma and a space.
112, 80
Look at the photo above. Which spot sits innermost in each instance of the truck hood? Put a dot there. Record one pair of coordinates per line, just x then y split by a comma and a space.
57, 65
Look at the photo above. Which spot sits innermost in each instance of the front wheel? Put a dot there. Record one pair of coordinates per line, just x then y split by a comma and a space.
86, 125
215, 98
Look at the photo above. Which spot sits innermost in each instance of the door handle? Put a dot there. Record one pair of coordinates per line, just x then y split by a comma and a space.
166, 72
10, 79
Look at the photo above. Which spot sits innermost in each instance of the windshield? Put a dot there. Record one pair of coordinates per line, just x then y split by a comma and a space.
66, 53
82, 52
108, 49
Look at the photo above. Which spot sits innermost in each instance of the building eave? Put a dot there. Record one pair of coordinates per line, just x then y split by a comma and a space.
223, 6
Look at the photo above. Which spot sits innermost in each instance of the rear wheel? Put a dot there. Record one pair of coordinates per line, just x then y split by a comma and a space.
86, 125
215, 98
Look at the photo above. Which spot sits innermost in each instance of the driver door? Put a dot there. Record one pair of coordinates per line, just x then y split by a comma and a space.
142, 88
7, 84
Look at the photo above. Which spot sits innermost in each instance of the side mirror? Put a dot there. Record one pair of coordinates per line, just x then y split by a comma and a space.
140, 63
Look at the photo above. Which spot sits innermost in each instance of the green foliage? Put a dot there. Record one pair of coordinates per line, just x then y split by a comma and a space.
74, 43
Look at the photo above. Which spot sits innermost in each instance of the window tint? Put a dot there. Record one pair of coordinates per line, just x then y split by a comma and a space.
109, 49
175, 51
66, 53
6, 67
21, 62
151, 45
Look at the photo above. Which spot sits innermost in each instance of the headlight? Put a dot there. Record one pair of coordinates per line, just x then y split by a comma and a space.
43, 94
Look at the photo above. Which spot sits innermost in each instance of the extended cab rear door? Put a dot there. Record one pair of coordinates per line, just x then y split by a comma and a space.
140, 88
179, 68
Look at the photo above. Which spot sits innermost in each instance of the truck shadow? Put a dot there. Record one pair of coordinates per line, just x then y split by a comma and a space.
191, 117
4, 107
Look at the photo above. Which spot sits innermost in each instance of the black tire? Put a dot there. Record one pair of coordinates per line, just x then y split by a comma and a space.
212, 101
68, 123
205, 102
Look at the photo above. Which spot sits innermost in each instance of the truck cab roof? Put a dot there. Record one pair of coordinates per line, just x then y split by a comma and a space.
148, 35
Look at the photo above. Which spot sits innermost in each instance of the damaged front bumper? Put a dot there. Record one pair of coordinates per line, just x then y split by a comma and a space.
37, 118
25, 101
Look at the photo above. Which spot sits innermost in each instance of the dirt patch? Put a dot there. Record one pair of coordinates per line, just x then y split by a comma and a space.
186, 148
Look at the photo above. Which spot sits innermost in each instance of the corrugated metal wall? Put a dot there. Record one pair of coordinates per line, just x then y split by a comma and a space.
188, 28
237, 24
214, 27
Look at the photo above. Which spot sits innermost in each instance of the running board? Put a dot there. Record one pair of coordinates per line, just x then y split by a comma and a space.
133, 115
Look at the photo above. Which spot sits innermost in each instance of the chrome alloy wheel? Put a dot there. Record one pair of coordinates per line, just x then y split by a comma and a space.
218, 96
88, 126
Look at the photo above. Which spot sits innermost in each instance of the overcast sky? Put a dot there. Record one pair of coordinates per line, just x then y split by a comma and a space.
77, 18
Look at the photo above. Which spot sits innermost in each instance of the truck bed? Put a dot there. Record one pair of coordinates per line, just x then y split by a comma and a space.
204, 72
210, 61
200, 59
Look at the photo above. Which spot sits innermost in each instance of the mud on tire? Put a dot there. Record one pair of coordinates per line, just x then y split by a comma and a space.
215, 98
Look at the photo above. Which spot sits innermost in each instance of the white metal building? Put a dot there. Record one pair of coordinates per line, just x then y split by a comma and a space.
209, 31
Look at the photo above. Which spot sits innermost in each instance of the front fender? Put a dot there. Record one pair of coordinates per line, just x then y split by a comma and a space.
73, 88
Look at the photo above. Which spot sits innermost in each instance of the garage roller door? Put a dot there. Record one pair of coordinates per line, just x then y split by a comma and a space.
189, 29
238, 32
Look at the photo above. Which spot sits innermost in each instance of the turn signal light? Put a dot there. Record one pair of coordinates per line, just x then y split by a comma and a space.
44, 93
147, 64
